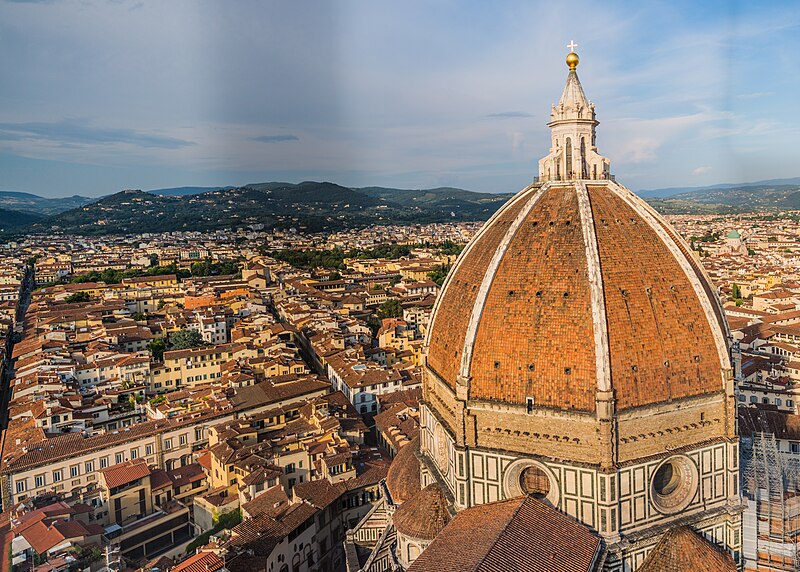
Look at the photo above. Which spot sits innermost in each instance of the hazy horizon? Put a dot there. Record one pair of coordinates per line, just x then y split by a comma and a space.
210, 187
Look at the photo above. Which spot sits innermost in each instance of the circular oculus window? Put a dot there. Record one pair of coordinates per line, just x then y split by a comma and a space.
674, 484
528, 477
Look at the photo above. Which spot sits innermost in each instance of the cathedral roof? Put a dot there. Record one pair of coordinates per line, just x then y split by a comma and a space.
521, 534
403, 478
574, 287
424, 515
683, 550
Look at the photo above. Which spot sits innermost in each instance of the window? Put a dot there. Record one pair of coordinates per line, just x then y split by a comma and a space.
57, 476
135, 453
74, 471
118, 458
289, 469
182, 440
753, 399
168, 444
789, 403
795, 447
103, 462
198, 434
148, 450
89, 467
21, 486
778, 401
742, 398
39, 481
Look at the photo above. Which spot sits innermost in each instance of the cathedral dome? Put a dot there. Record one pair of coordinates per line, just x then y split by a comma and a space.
402, 479
576, 287
424, 515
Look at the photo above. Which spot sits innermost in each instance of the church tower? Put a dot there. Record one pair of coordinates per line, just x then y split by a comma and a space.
573, 154
578, 354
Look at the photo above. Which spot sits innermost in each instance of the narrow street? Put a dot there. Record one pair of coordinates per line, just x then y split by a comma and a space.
25, 290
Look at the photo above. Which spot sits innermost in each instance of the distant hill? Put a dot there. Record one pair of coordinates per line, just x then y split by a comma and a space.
308, 206
725, 199
181, 191
323, 206
670, 191
16, 220
15, 200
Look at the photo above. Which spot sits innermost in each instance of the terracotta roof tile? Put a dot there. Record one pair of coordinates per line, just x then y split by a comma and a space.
520, 534
535, 331
424, 515
203, 562
682, 549
403, 479
125, 473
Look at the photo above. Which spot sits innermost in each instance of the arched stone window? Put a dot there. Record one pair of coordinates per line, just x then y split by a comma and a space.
583, 159
568, 167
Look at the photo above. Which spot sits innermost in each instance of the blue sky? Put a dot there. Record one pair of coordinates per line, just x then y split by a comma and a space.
98, 96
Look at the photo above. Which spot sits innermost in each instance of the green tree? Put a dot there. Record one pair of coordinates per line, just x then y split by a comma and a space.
77, 297
736, 292
139, 316
224, 521
333, 276
390, 309
157, 348
450, 247
439, 273
183, 339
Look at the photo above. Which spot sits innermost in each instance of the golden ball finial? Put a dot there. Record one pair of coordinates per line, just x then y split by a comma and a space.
572, 61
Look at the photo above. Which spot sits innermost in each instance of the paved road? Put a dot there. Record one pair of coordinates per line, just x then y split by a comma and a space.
25, 290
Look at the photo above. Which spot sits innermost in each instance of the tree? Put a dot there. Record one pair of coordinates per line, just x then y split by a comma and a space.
77, 297
139, 316
333, 276
154, 260
390, 309
439, 273
736, 292
157, 348
183, 339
